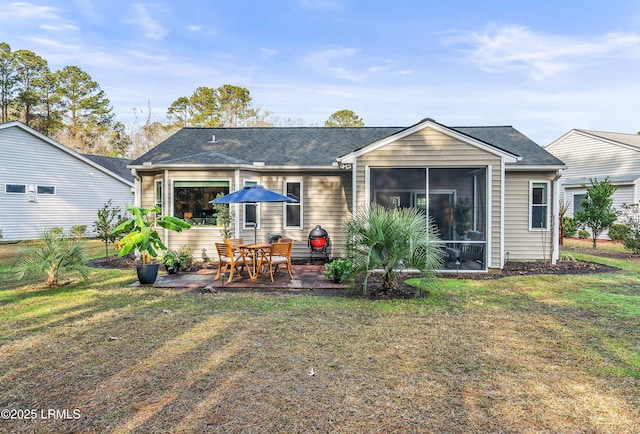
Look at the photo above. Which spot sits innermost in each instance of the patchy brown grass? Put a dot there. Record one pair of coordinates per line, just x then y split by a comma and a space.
522, 354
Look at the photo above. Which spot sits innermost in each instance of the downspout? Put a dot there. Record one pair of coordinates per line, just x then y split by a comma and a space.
137, 187
489, 207
555, 216
503, 188
236, 217
354, 186
166, 204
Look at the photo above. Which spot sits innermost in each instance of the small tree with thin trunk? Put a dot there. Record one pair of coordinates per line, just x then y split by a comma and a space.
106, 223
596, 210
564, 207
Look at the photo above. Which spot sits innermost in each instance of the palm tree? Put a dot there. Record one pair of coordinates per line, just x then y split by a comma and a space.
56, 254
392, 240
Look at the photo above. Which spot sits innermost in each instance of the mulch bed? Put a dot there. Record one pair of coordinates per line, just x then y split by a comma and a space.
407, 291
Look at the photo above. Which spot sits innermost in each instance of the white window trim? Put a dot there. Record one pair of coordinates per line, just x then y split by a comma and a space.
14, 192
244, 207
548, 205
574, 193
172, 197
158, 200
300, 204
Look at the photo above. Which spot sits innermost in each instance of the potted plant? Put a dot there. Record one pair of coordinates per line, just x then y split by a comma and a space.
173, 261
141, 235
463, 216
338, 270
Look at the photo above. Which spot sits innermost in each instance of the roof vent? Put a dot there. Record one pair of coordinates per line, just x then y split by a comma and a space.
146, 164
258, 163
213, 139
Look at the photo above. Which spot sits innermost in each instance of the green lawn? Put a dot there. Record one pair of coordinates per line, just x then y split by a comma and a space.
520, 354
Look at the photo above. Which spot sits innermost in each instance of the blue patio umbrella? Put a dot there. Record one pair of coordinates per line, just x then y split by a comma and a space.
253, 194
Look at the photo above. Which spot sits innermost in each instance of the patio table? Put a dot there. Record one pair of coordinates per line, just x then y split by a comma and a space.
255, 250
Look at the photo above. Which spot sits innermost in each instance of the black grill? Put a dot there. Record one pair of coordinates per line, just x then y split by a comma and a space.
318, 243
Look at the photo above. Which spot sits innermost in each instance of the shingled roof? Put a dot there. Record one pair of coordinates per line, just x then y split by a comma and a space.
310, 146
624, 138
511, 140
115, 165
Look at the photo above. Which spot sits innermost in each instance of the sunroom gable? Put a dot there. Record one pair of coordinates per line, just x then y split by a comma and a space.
425, 124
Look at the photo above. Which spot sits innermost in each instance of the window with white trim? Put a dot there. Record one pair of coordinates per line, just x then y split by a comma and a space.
191, 200
293, 210
539, 205
158, 193
46, 189
577, 202
251, 213
15, 188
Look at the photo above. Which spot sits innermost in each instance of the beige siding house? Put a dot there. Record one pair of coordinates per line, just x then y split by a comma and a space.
598, 155
489, 190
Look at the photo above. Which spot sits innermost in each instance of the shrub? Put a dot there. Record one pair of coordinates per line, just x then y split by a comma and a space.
582, 234
56, 230
56, 254
390, 240
618, 232
338, 269
187, 256
570, 227
172, 258
78, 231
630, 216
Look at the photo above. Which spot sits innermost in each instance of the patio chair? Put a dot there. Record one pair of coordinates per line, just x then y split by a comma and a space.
234, 242
278, 254
229, 259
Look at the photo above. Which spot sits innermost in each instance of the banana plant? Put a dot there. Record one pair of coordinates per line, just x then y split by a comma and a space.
141, 233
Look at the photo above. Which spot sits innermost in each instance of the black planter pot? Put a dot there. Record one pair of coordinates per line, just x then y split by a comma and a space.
174, 269
147, 273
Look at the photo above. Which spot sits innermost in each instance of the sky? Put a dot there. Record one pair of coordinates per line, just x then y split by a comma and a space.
544, 67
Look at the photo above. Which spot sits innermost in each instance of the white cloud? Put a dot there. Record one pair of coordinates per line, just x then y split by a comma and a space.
151, 28
344, 63
320, 4
500, 49
24, 10
57, 28
267, 53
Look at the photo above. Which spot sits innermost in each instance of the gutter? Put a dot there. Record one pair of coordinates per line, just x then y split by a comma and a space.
137, 187
246, 167
509, 168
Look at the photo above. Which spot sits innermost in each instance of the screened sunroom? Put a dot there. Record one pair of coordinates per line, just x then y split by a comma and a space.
456, 200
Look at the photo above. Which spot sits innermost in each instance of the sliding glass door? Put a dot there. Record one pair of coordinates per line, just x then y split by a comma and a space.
456, 203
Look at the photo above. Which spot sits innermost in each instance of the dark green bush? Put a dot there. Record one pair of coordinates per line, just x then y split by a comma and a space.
569, 226
619, 232
582, 234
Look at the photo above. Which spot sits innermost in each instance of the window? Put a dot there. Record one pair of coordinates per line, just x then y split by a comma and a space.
158, 193
577, 202
250, 210
293, 210
46, 189
539, 201
15, 188
191, 200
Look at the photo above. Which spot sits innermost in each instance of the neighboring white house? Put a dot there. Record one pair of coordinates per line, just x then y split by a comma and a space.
45, 184
598, 155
